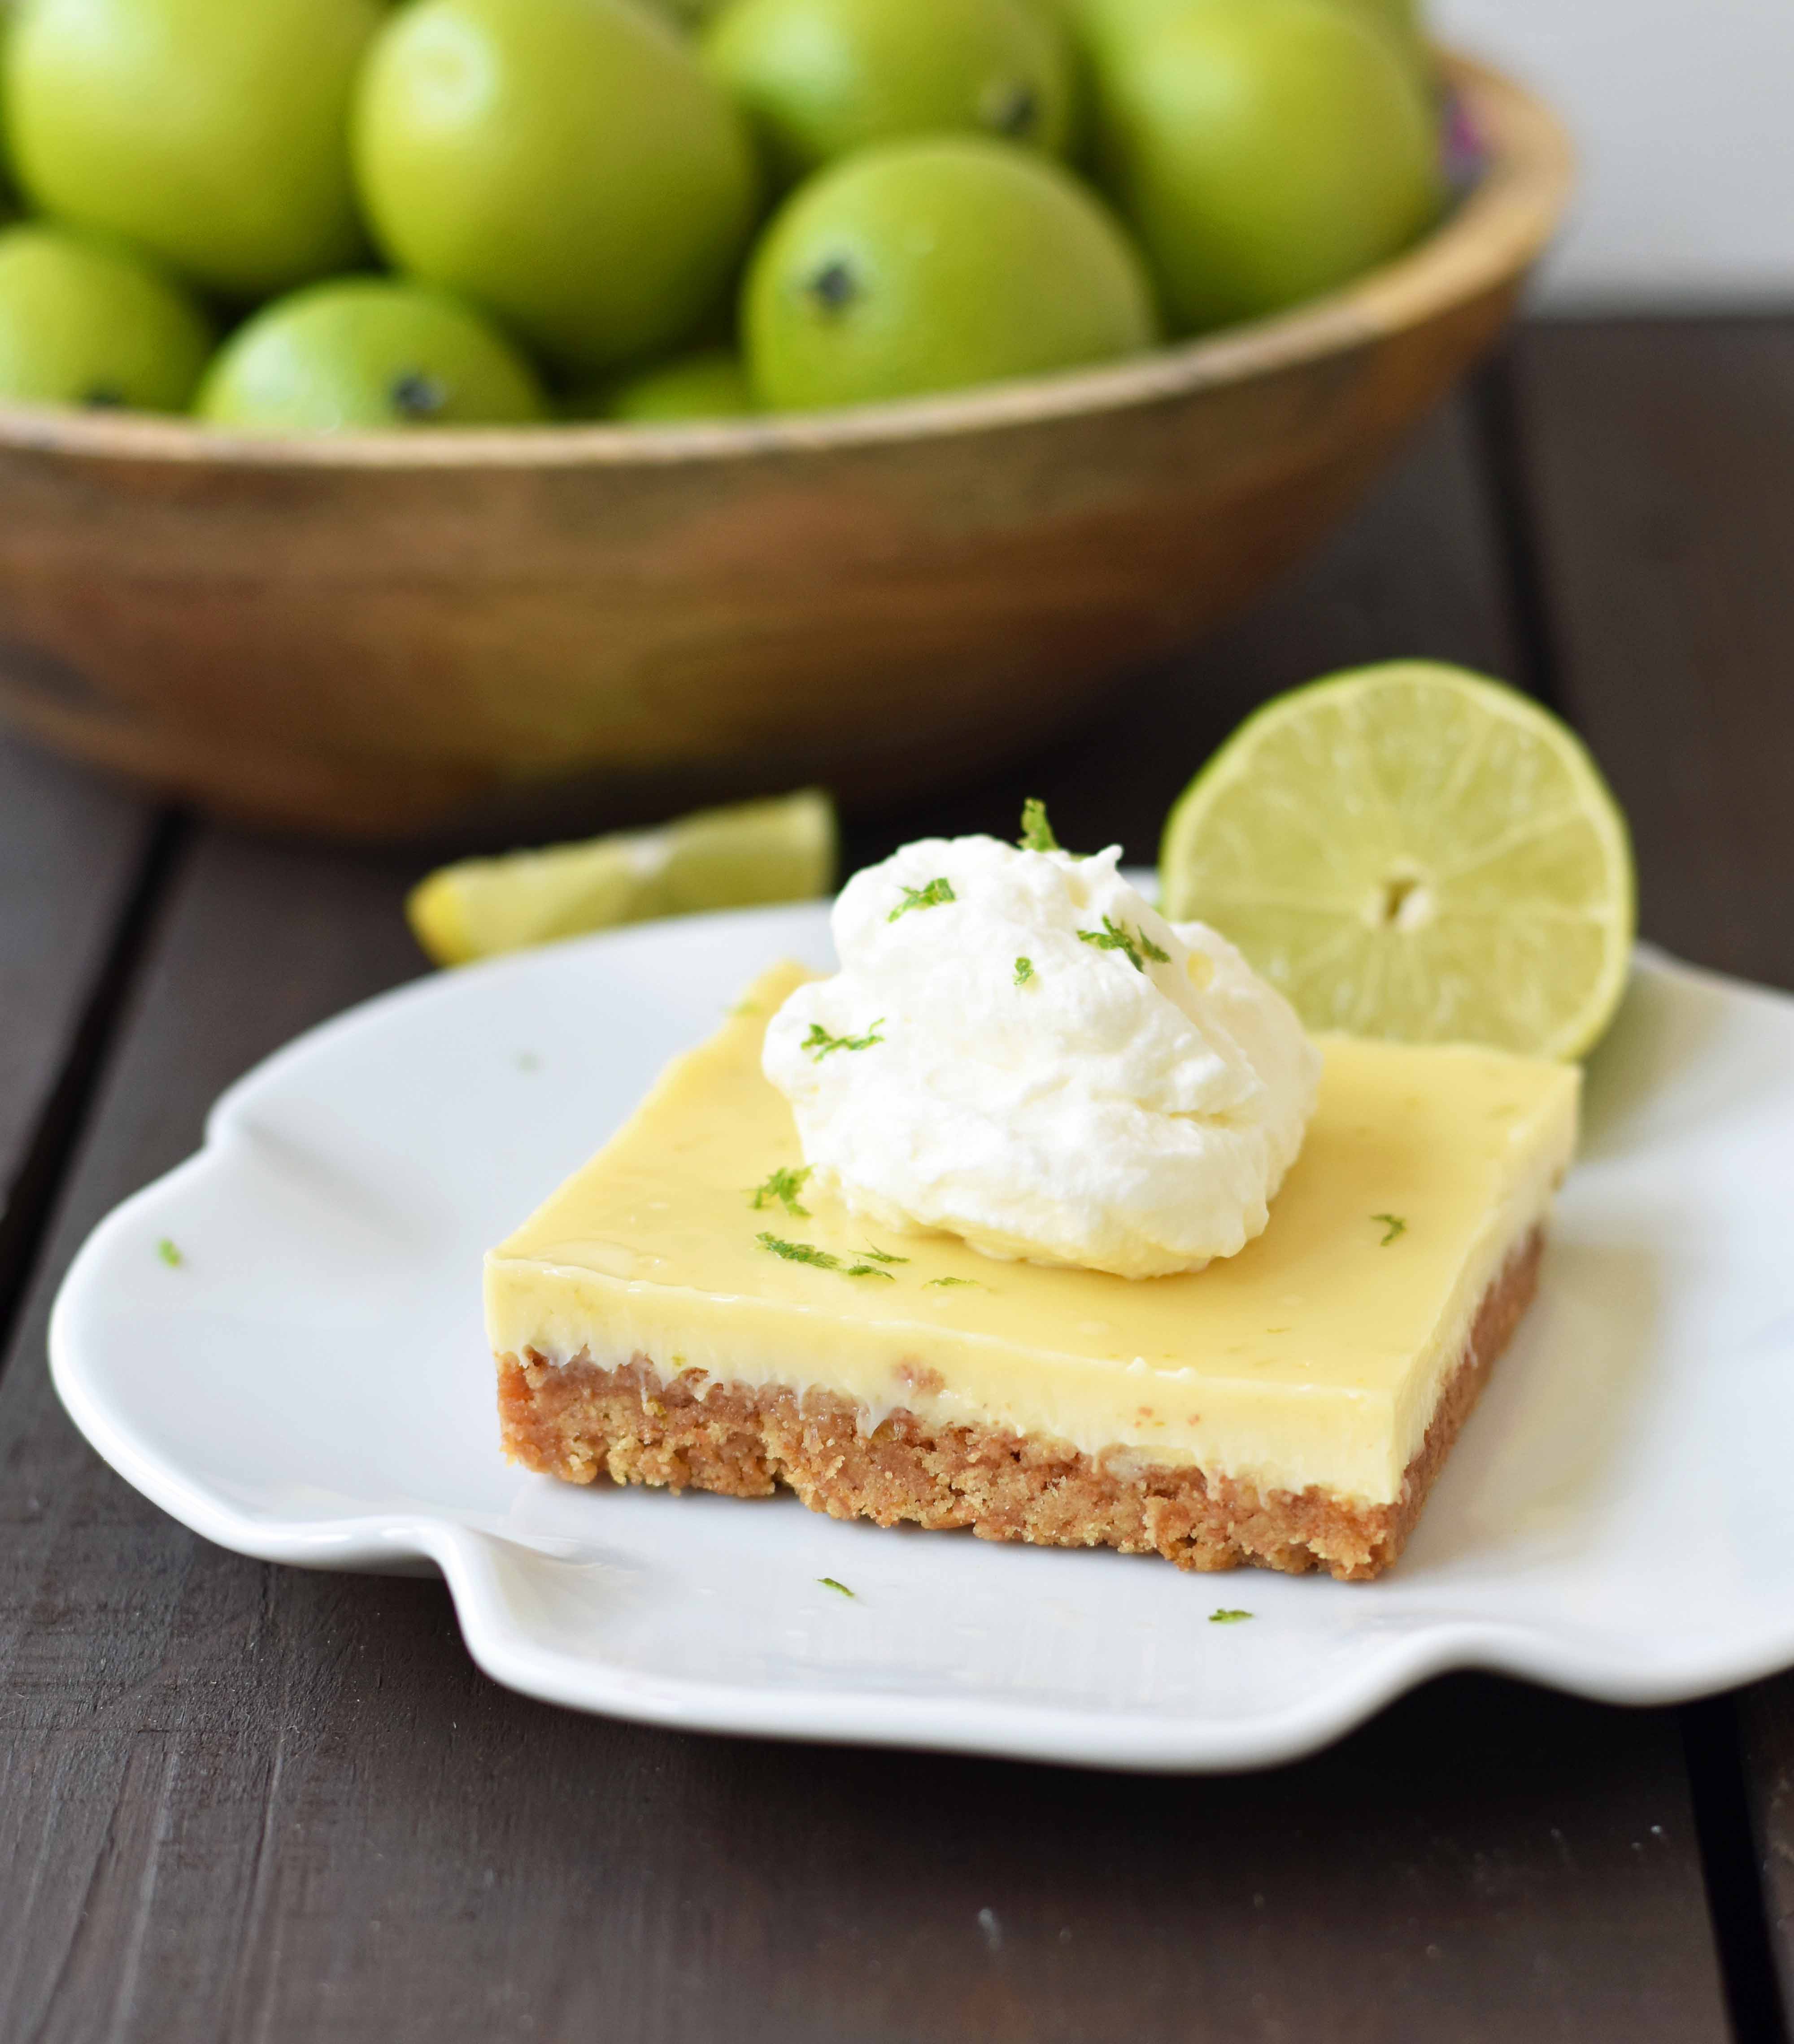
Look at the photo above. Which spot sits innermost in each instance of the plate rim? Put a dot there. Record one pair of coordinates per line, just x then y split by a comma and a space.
397, 1542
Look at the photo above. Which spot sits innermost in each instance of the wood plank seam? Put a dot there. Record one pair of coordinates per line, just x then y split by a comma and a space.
1712, 1742
1712, 1736
1495, 407
31, 1199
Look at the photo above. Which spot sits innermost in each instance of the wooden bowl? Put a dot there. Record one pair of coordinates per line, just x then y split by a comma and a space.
375, 634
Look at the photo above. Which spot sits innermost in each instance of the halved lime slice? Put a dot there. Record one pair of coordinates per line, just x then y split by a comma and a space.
782, 850
1412, 851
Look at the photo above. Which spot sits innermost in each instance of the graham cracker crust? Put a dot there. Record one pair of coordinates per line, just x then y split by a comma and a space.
576, 1421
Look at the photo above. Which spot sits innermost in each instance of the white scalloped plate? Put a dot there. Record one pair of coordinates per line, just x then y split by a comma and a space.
309, 1386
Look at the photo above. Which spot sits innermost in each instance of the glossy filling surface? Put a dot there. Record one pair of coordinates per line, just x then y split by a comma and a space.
1315, 1357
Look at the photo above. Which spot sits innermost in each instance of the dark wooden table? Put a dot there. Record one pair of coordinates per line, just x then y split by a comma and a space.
241, 1802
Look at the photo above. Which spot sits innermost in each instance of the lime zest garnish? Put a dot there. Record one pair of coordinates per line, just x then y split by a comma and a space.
819, 1042
170, 1253
1115, 936
1024, 971
1037, 832
972, 1282
784, 1185
883, 1256
818, 1259
799, 1252
935, 895
1395, 1225
829, 1583
1227, 1617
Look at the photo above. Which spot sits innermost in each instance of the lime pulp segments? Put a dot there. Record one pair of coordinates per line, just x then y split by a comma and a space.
1412, 851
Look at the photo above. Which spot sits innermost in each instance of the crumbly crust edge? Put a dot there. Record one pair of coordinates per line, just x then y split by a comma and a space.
634, 1424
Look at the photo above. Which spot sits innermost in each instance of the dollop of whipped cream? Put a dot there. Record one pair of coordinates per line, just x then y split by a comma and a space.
1020, 1051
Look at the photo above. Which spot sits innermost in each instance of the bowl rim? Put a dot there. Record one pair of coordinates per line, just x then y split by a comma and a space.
1494, 233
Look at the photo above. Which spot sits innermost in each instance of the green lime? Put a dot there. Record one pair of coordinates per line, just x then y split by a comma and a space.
1093, 21
782, 850
365, 353
1266, 150
689, 13
821, 78
84, 323
1405, 21
929, 265
709, 383
1412, 851
8, 184
567, 163
210, 133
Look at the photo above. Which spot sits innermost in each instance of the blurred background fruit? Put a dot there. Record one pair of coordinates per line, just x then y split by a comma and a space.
709, 383
209, 132
689, 13
9, 190
369, 353
1266, 151
821, 78
589, 175
567, 164
927, 265
1406, 24
82, 322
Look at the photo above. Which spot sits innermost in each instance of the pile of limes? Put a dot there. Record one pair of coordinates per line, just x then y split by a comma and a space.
300, 215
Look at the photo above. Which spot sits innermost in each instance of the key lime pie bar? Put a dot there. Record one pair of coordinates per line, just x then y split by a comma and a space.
1042, 1217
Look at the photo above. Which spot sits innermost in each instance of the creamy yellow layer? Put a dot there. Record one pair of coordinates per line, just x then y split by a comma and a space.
1314, 1356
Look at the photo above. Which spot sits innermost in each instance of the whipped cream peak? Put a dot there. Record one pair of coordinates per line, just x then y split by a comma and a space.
1019, 1049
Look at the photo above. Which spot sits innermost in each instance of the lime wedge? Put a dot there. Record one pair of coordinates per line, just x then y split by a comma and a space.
782, 850
1412, 851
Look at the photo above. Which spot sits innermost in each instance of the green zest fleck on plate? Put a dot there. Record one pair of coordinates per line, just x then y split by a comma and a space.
935, 895
170, 1253
783, 1185
884, 1255
819, 1042
829, 1583
1227, 1617
1024, 971
1393, 1224
972, 1282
